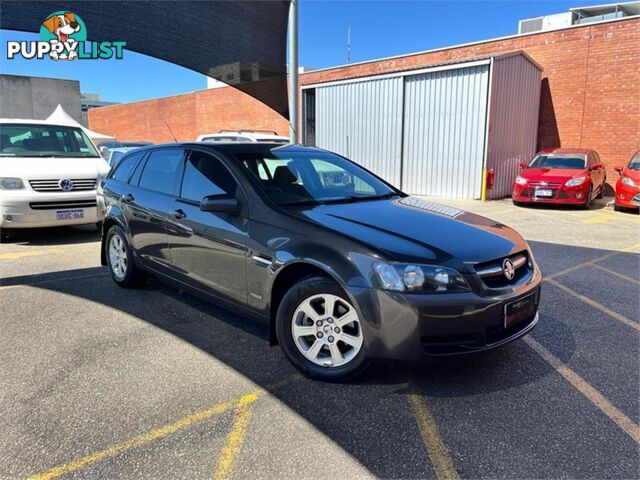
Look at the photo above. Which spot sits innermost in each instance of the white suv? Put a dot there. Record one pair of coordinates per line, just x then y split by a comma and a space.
48, 175
243, 136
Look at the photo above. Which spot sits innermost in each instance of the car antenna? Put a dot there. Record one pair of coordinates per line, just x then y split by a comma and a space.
171, 131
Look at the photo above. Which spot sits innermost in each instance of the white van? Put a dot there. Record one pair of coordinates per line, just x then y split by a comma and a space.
48, 175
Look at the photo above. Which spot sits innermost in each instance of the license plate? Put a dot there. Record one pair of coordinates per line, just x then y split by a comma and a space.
543, 192
70, 214
519, 310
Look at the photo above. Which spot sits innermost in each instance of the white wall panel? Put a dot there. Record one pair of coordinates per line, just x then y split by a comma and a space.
444, 132
363, 121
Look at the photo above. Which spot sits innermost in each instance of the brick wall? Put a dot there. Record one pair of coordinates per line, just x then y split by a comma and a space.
590, 93
187, 115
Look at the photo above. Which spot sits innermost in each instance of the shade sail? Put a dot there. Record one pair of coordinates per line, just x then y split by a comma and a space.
242, 43
60, 116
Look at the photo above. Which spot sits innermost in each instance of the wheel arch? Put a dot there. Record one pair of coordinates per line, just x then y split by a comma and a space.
107, 223
287, 277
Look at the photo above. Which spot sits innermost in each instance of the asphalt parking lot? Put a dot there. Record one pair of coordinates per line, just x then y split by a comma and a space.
100, 382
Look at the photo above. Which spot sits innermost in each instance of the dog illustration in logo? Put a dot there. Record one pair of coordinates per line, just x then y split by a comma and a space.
62, 26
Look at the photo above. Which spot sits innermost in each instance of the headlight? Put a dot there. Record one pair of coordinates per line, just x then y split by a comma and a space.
403, 277
627, 181
10, 183
574, 182
521, 180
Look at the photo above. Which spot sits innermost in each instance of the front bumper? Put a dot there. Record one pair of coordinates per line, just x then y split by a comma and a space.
414, 327
626, 196
33, 210
561, 195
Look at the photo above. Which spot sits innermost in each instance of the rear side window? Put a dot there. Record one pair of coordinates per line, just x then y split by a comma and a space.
205, 175
125, 168
159, 173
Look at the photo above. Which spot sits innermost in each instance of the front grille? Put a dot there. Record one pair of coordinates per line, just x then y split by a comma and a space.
492, 274
79, 184
58, 205
545, 184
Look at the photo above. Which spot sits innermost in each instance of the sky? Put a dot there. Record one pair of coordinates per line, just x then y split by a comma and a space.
378, 29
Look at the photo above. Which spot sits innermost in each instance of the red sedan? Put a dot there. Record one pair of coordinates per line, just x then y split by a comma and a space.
628, 186
566, 176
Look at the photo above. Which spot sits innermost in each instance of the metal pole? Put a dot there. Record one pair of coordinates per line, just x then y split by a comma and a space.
294, 87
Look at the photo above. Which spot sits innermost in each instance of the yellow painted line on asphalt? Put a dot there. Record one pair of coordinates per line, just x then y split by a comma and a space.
596, 305
29, 253
135, 442
611, 218
629, 249
235, 439
53, 280
619, 275
627, 425
157, 433
436, 449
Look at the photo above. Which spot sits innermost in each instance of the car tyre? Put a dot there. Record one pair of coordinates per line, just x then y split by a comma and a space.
517, 204
120, 259
310, 296
4, 235
587, 202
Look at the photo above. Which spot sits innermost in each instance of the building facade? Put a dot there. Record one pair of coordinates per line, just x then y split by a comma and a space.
37, 97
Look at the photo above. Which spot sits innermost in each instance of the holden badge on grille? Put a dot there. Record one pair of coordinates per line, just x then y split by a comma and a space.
508, 269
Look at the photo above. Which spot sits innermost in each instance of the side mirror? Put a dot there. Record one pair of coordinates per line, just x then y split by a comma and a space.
104, 152
595, 166
523, 165
618, 169
221, 204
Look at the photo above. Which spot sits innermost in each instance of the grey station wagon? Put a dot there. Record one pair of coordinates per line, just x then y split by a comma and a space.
342, 267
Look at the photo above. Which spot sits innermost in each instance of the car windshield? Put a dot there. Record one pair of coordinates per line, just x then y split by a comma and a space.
33, 140
557, 160
303, 178
634, 163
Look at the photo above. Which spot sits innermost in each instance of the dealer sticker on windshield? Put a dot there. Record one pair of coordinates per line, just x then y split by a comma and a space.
70, 214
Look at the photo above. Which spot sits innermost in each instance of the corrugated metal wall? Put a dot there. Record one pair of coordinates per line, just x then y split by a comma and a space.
427, 132
363, 122
444, 132
515, 104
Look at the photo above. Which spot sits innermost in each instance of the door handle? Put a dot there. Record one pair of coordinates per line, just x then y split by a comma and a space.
179, 214
128, 198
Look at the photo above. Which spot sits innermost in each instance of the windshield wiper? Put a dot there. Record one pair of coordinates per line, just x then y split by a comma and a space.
354, 198
300, 203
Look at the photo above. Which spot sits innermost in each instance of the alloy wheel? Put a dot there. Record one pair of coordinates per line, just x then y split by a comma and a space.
326, 330
118, 257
